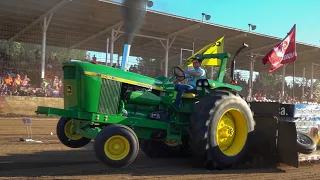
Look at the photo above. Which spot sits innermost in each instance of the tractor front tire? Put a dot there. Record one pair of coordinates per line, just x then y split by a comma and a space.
220, 127
66, 137
116, 146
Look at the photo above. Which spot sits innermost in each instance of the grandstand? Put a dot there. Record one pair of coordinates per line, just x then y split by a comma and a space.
74, 26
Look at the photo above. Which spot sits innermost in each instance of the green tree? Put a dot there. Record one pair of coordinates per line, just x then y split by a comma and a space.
270, 79
147, 65
316, 91
13, 49
16, 50
267, 83
63, 54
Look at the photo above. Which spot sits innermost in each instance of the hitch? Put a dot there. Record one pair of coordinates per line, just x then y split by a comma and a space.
273, 139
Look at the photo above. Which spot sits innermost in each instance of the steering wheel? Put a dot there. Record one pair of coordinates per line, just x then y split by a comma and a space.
179, 73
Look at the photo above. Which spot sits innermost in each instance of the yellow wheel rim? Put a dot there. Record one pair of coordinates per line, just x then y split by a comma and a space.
68, 132
117, 147
232, 131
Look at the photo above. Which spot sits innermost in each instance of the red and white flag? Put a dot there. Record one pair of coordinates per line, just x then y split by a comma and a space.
284, 52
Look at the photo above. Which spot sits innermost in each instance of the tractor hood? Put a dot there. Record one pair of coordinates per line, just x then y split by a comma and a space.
115, 74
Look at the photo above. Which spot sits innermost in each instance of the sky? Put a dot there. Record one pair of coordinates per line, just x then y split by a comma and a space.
272, 17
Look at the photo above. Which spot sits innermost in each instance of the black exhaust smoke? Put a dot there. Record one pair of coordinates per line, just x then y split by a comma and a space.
133, 13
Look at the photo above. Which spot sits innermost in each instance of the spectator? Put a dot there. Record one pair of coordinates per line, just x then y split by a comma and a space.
8, 80
61, 88
14, 90
1, 80
3, 89
94, 59
25, 81
56, 92
44, 83
48, 91
55, 82
12, 75
17, 80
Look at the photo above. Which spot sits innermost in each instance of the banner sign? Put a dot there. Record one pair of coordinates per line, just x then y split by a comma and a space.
287, 110
212, 48
26, 121
306, 117
300, 111
306, 110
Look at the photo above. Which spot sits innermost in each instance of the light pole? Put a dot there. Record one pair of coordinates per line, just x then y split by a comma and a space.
206, 16
150, 4
252, 27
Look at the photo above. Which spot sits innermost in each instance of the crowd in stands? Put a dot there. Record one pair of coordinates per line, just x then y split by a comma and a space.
277, 98
151, 72
19, 84
52, 87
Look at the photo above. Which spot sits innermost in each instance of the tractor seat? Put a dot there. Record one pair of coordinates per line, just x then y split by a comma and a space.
190, 94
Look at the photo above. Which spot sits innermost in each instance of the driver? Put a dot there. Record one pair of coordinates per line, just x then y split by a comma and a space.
192, 76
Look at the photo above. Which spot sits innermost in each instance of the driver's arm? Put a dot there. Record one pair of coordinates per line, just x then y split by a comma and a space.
175, 81
196, 74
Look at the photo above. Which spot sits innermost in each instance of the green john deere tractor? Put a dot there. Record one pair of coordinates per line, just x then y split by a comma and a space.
124, 112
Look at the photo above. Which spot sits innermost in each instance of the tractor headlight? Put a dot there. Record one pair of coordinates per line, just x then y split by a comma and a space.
206, 83
199, 83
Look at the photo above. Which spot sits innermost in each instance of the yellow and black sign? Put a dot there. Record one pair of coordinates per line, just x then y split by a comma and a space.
213, 48
69, 89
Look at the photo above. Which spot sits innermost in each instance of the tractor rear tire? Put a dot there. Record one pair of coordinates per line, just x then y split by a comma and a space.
220, 127
64, 133
158, 149
116, 146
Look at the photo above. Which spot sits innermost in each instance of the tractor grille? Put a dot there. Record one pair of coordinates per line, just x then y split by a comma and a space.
69, 72
109, 97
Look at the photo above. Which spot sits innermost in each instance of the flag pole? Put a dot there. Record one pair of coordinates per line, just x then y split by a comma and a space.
294, 75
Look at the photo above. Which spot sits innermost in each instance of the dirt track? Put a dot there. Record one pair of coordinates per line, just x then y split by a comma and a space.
52, 160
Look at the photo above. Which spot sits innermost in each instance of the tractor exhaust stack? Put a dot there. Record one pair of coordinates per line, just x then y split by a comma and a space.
125, 56
233, 63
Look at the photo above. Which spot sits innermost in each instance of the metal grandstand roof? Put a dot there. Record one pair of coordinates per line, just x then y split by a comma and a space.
85, 24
